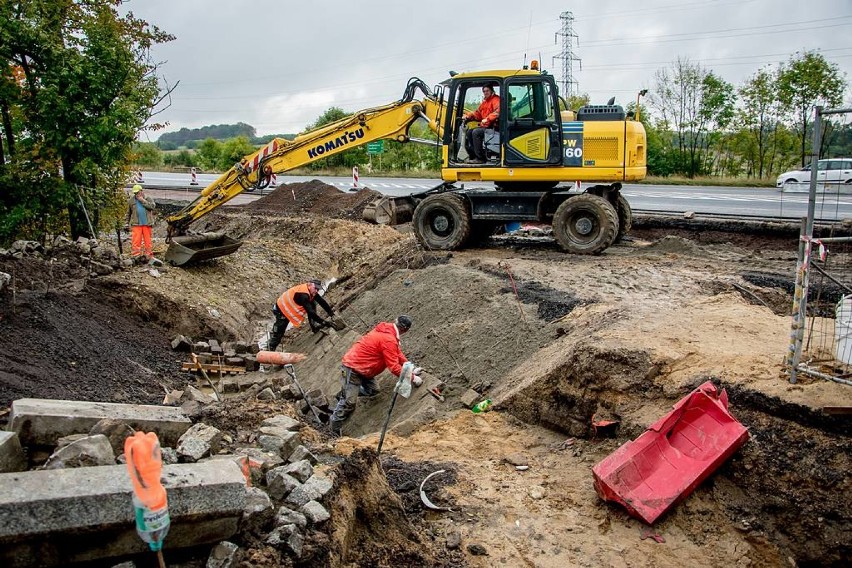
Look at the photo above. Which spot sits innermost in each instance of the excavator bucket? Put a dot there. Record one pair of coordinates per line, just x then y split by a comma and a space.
189, 249
389, 211
673, 456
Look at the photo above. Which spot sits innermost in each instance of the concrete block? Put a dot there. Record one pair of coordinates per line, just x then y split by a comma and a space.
199, 441
251, 363
303, 453
301, 470
182, 344
116, 432
278, 441
85, 452
12, 456
287, 516
61, 517
259, 458
315, 513
258, 513
279, 483
313, 489
287, 538
42, 422
223, 555
215, 348
201, 347
281, 421
192, 393
266, 394
469, 398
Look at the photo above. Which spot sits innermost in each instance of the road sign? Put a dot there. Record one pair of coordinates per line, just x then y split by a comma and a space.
376, 147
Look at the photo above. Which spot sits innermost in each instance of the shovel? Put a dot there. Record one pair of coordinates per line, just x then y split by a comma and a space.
403, 387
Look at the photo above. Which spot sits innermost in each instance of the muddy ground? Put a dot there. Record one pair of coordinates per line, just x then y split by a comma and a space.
553, 339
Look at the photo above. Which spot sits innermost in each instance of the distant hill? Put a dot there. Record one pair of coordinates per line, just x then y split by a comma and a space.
186, 136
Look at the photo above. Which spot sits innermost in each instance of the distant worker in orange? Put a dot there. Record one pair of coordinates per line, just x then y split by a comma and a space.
296, 304
487, 115
376, 351
140, 218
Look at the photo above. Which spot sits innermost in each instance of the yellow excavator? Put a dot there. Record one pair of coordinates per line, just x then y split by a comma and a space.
535, 145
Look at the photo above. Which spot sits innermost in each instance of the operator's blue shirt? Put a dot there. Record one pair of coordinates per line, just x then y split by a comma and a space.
142, 213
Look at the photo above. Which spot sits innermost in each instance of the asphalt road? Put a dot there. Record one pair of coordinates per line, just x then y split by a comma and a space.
735, 201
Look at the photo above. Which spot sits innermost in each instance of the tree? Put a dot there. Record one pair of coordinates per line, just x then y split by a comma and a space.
234, 150
209, 154
147, 155
805, 81
692, 102
87, 87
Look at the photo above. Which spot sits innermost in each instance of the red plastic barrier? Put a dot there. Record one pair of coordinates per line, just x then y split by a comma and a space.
673, 456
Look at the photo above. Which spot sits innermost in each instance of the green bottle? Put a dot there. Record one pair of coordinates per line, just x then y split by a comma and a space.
483, 406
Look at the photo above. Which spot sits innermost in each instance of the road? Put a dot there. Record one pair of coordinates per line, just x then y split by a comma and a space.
736, 201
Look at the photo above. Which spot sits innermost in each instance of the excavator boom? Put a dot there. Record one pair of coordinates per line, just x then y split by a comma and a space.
387, 122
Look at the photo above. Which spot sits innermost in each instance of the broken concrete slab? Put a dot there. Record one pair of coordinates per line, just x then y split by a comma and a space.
266, 394
42, 422
182, 344
60, 517
278, 441
88, 451
287, 538
12, 457
116, 432
199, 441
287, 516
192, 393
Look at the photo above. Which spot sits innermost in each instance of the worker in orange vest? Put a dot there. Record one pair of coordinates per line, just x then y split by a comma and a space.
296, 304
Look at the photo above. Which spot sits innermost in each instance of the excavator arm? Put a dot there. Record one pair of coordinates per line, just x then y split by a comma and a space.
388, 122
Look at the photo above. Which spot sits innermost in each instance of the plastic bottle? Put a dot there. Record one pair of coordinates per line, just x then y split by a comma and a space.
483, 406
150, 503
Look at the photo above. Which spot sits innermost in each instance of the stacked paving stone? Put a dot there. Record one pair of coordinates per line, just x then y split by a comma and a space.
230, 354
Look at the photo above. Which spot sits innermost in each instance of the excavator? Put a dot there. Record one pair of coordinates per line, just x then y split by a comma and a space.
538, 154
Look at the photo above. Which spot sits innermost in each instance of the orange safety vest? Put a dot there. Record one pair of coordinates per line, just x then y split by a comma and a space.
288, 306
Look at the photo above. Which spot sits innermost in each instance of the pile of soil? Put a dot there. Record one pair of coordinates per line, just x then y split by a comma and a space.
314, 197
63, 345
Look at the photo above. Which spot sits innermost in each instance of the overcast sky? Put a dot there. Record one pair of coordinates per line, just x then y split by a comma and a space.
278, 64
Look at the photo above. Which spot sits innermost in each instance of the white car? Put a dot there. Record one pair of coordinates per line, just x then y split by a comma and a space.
838, 170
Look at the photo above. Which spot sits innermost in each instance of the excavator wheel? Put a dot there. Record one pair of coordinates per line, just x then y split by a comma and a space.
625, 218
585, 224
442, 222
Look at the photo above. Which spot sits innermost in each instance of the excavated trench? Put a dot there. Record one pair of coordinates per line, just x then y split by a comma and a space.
786, 488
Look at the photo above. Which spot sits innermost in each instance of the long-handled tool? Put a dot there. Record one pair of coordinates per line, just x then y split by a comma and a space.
403, 386
200, 367
292, 372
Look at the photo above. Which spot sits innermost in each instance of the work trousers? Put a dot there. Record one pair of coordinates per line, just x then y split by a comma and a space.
351, 384
278, 329
140, 234
475, 143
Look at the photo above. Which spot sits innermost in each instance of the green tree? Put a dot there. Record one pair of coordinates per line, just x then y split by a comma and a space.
805, 81
209, 154
693, 103
233, 151
343, 159
87, 86
146, 155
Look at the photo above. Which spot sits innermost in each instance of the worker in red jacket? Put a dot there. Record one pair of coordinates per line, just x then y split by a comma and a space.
487, 115
373, 353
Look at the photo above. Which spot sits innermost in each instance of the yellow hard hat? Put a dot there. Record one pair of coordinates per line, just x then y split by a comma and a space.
137, 188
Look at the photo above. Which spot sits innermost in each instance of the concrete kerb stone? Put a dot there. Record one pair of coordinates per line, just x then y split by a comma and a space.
315, 512
301, 470
199, 441
59, 517
12, 457
314, 489
41, 422
282, 421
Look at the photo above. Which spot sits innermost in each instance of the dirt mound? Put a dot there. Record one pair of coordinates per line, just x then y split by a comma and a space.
368, 525
74, 346
314, 197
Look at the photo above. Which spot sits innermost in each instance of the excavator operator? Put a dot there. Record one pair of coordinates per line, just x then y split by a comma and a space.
293, 306
487, 115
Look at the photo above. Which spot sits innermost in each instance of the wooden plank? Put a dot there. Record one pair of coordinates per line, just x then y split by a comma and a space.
841, 410
213, 367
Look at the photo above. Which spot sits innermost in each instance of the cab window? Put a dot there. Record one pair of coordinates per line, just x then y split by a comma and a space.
530, 101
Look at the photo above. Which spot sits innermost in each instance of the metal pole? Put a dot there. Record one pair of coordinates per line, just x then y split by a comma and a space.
800, 295
387, 421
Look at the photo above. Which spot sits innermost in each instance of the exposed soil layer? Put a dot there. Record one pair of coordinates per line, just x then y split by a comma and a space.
74, 346
553, 339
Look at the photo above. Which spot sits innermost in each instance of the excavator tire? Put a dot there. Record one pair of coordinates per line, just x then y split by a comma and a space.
625, 218
585, 224
442, 222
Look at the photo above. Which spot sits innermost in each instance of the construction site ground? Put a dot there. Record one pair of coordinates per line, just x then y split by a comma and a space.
553, 339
